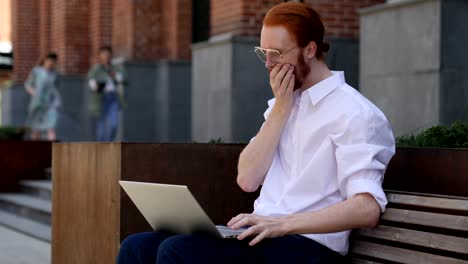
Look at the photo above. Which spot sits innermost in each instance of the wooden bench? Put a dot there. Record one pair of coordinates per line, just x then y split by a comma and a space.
89, 205
415, 228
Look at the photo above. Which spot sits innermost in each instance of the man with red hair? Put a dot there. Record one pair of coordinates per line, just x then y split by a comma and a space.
320, 157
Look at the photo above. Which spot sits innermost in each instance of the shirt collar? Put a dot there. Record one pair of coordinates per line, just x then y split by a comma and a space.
323, 88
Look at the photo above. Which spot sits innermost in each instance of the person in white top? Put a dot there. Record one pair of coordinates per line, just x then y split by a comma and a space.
319, 158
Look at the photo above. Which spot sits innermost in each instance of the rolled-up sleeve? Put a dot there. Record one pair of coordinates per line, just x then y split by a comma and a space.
271, 103
363, 151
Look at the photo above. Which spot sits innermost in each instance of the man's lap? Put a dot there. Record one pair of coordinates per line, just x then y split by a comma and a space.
170, 248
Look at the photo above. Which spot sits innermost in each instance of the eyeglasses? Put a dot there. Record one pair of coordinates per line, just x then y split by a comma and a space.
275, 56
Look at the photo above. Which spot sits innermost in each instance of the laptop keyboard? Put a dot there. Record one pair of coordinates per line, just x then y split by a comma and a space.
228, 232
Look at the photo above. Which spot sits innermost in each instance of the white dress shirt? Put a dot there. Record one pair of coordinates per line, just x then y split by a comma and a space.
335, 144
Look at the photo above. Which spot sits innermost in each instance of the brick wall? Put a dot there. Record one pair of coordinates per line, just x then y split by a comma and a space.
69, 35
74, 29
244, 17
144, 30
100, 26
340, 17
73, 39
226, 16
168, 24
57, 27
137, 29
239, 17
123, 28
183, 41
24, 36
148, 30
177, 29
45, 19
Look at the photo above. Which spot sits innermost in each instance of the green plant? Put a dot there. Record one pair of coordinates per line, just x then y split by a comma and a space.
216, 141
454, 136
12, 133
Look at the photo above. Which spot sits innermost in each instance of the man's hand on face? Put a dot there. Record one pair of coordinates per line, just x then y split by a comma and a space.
261, 226
282, 83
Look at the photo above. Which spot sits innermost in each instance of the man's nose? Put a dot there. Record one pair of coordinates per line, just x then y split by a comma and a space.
269, 63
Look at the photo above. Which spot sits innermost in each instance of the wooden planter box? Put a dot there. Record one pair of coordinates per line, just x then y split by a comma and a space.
21, 160
92, 214
429, 170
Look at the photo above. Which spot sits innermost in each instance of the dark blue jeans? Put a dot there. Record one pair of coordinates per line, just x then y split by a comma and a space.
164, 247
108, 121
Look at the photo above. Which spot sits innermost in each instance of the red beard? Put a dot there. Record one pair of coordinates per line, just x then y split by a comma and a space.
300, 72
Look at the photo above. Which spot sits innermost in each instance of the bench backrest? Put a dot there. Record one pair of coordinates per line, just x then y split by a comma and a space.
415, 228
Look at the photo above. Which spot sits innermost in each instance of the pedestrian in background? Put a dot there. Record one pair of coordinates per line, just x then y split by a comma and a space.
106, 86
45, 98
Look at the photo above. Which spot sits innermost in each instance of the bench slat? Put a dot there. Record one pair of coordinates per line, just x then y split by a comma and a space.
419, 238
400, 255
452, 222
427, 194
456, 205
361, 261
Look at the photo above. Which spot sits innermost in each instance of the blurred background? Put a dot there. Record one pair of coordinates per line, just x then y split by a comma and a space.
192, 73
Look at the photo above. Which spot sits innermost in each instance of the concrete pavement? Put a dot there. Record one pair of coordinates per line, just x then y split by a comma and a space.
16, 248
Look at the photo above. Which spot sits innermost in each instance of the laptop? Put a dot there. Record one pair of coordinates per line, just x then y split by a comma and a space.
173, 208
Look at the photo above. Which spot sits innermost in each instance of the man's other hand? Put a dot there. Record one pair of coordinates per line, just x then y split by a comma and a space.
261, 226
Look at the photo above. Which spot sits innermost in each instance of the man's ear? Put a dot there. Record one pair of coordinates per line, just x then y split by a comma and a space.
310, 50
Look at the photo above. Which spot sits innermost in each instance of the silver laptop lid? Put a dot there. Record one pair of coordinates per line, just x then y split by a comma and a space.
169, 207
